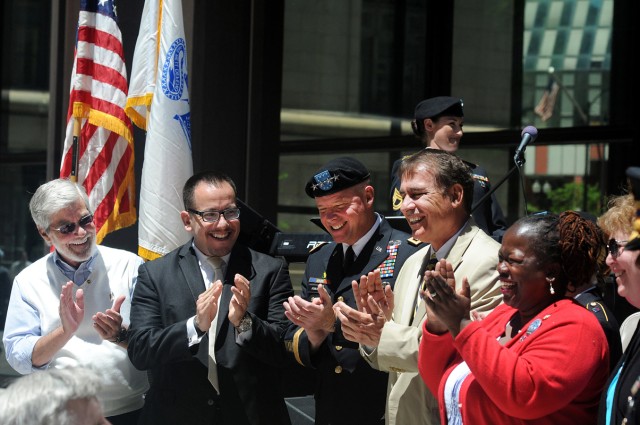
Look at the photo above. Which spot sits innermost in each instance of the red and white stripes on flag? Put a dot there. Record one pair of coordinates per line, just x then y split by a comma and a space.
544, 108
97, 98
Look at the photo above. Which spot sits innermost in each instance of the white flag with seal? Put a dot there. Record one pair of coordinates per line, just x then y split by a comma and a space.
158, 102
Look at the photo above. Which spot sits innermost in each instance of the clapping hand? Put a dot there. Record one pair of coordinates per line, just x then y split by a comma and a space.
207, 306
364, 325
240, 299
447, 310
109, 323
71, 311
371, 285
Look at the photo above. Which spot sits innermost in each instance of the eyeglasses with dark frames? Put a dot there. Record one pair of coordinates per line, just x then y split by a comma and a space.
68, 228
213, 216
616, 247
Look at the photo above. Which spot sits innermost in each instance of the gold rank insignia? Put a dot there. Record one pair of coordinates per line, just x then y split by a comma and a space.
396, 201
413, 241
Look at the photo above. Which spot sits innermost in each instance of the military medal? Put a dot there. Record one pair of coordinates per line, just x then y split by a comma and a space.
387, 267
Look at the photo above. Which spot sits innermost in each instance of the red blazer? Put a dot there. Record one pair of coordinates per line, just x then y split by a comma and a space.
552, 375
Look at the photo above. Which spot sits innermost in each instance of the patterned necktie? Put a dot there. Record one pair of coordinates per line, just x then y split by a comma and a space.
349, 258
429, 264
217, 263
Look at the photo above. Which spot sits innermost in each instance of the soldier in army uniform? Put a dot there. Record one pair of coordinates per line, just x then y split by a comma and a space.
438, 124
363, 241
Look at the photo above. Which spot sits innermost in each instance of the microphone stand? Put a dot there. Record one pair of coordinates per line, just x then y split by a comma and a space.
519, 162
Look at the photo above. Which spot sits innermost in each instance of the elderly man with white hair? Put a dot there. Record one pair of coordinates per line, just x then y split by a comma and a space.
71, 307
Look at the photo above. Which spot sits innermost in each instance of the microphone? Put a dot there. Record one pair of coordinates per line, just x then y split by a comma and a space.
529, 135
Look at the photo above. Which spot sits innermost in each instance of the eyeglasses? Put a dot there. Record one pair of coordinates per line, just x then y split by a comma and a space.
616, 247
71, 227
213, 216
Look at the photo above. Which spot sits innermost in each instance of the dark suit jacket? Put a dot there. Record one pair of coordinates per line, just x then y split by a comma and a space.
250, 389
488, 215
629, 368
344, 379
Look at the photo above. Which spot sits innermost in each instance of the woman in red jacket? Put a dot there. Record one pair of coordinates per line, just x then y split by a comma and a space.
539, 358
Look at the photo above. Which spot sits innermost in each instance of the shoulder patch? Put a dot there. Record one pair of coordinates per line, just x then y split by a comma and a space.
317, 246
396, 201
413, 241
597, 308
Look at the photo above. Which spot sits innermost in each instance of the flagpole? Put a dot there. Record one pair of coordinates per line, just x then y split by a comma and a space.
73, 176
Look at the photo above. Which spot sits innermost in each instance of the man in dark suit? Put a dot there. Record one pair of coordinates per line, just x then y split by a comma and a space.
211, 291
363, 241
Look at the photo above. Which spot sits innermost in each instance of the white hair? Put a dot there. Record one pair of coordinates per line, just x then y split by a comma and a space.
54, 196
41, 398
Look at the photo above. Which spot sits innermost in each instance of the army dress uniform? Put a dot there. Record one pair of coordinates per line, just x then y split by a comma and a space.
344, 379
348, 390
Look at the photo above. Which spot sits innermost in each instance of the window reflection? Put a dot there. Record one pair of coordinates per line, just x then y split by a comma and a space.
566, 75
355, 69
350, 68
567, 43
23, 136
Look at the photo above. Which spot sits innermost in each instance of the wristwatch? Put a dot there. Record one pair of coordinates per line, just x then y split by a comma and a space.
245, 323
122, 336
195, 325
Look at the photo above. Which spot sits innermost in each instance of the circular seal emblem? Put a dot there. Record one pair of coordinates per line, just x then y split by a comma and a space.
174, 70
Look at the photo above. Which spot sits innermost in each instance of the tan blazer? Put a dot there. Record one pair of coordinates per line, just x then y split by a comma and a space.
474, 255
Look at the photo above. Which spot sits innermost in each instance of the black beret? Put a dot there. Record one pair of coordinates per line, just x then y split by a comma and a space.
633, 173
338, 174
437, 106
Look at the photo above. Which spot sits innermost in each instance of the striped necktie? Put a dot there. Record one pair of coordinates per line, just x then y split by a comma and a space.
431, 265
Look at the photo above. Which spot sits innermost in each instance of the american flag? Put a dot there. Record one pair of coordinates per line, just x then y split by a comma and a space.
544, 108
105, 151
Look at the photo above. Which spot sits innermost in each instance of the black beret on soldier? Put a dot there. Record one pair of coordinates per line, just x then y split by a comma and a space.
437, 106
433, 108
338, 174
